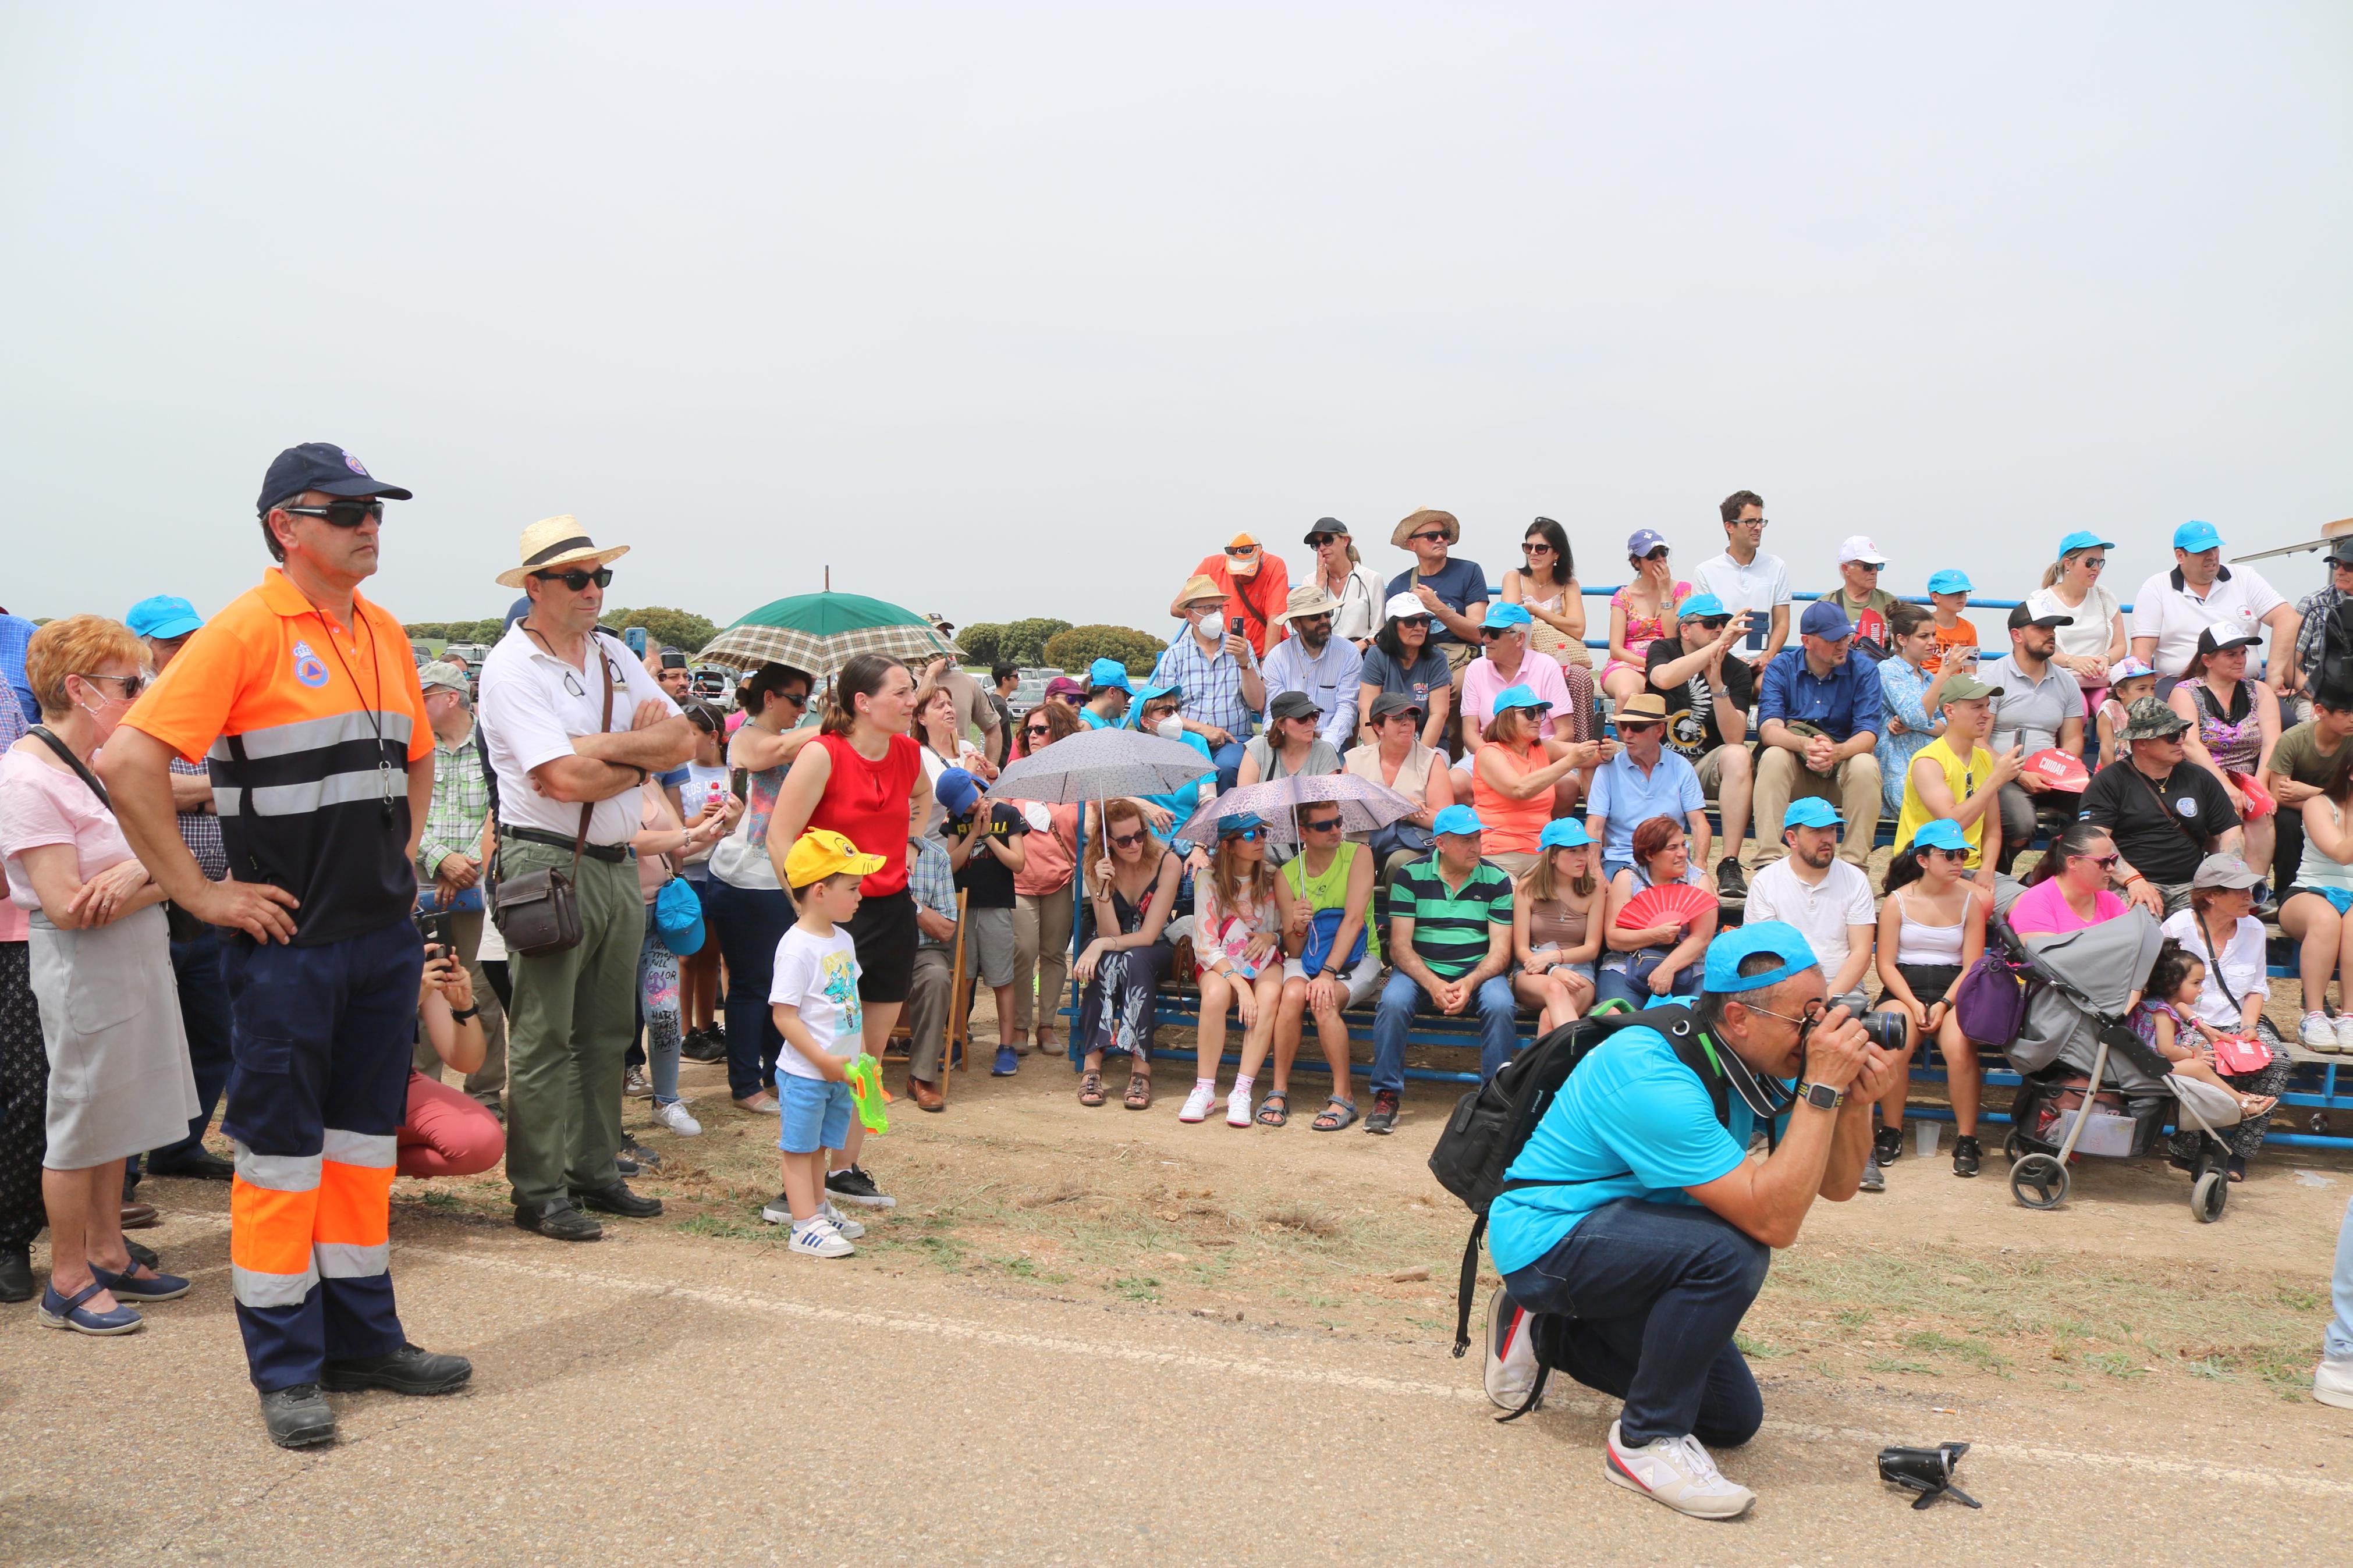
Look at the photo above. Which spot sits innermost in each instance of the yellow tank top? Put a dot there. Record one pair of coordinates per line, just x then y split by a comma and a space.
1960, 778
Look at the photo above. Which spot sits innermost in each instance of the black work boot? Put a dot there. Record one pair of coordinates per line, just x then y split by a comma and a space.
298, 1418
407, 1370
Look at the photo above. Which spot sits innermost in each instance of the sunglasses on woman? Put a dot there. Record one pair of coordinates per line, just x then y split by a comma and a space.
1535, 547
576, 581
132, 685
1247, 834
341, 513
1420, 623
1129, 840
1037, 731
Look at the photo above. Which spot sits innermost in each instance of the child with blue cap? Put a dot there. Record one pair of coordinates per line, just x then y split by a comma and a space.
1650, 1228
986, 851
1948, 593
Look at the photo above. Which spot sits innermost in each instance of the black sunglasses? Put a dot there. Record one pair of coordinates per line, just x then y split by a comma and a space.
132, 685
1034, 730
1326, 825
1126, 839
1318, 540
1439, 538
341, 513
1536, 546
575, 581
1422, 621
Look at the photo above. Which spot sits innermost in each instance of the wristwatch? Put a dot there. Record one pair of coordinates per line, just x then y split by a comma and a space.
473, 1012
1822, 1096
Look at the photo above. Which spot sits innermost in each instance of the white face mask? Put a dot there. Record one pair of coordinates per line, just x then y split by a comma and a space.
1170, 729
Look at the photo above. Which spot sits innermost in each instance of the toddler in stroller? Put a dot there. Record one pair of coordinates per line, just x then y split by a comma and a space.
2089, 1082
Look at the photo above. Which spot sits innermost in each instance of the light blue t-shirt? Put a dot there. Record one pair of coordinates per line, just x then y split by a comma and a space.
1626, 799
1632, 1122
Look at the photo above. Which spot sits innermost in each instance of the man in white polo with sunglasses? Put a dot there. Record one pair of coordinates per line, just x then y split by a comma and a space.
573, 725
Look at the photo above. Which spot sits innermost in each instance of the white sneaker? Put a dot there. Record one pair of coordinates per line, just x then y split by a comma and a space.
1197, 1104
1510, 1352
777, 1210
675, 1117
1238, 1109
849, 1228
2317, 1032
1677, 1472
2343, 1033
2332, 1383
818, 1238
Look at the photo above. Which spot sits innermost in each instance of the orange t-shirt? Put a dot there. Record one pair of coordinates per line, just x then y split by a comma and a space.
1512, 824
308, 727
1960, 633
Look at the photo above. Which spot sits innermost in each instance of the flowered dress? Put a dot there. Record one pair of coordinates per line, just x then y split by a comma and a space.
1642, 631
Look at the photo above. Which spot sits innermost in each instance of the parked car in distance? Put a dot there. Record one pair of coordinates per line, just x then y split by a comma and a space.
469, 654
1032, 691
715, 684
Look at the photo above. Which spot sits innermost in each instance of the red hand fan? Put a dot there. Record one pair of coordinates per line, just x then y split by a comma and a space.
2060, 770
1670, 904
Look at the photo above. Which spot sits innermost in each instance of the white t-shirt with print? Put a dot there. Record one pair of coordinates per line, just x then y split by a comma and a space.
820, 976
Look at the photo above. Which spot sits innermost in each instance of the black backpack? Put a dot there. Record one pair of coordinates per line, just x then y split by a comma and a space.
1492, 1123
2333, 681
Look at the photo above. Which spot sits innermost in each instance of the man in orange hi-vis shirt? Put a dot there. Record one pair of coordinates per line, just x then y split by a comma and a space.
303, 698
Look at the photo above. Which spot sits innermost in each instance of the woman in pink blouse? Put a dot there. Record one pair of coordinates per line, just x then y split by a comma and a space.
2068, 889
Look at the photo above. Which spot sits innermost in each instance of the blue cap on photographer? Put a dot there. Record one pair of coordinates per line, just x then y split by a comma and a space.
1778, 938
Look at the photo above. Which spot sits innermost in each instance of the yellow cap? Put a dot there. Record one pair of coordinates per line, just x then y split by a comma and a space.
821, 853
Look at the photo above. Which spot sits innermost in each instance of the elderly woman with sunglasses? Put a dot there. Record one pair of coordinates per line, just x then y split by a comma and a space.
2095, 642
99, 953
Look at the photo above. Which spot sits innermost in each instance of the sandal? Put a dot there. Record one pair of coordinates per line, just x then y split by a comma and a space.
1139, 1091
2236, 1167
1091, 1090
1337, 1114
1275, 1109
2256, 1104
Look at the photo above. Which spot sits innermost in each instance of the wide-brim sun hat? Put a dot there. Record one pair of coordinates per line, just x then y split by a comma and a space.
1309, 599
1200, 585
1420, 519
559, 544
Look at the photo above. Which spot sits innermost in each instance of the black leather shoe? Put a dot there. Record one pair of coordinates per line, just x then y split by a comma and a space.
204, 1165
298, 1418
15, 1274
618, 1199
407, 1370
557, 1220
146, 1254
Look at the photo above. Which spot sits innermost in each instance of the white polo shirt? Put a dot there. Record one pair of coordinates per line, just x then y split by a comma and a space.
533, 704
1822, 913
1756, 587
2167, 609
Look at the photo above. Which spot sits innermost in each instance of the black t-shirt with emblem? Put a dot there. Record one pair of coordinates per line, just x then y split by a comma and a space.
2126, 803
1691, 708
984, 876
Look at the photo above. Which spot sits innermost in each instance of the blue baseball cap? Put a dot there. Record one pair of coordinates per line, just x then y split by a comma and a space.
1941, 833
1643, 541
1779, 938
2084, 539
1703, 606
1457, 819
1108, 672
1520, 697
1812, 811
1239, 822
1564, 833
1501, 613
1949, 581
2197, 536
163, 616
1824, 619
956, 791
323, 467
1150, 693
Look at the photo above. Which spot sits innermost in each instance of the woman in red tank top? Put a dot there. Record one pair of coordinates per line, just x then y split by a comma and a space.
863, 778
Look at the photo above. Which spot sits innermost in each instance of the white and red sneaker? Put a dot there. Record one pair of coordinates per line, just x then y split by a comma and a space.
1677, 1472
1510, 1369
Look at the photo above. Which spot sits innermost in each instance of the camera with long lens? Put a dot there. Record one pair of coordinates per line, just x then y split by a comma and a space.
1886, 1029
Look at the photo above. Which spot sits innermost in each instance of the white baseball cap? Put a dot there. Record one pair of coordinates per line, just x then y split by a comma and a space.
1860, 548
1403, 604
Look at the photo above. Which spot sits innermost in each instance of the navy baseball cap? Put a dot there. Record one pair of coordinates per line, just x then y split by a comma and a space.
1824, 619
325, 466
956, 791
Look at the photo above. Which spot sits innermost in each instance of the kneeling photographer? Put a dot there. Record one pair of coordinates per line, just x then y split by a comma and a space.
1647, 1229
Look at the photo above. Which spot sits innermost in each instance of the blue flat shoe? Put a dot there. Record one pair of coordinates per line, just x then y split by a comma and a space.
67, 1312
162, 1287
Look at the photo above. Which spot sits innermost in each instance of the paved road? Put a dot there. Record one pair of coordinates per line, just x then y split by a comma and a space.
660, 1398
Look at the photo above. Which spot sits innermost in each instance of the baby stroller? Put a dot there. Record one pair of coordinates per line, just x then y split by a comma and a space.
2089, 1084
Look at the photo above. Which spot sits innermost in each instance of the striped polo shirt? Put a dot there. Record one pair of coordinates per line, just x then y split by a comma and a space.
1449, 928
308, 727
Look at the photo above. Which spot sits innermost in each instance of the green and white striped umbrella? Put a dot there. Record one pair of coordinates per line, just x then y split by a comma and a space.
821, 632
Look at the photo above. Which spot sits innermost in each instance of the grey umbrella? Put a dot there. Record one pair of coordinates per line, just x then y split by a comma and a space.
1099, 765
1364, 805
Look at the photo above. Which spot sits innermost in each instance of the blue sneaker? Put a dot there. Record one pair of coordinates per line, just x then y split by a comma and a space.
67, 1312
1009, 1062
158, 1287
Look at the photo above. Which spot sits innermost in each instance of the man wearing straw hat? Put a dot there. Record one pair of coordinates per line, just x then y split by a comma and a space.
1213, 665
573, 725
1311, 659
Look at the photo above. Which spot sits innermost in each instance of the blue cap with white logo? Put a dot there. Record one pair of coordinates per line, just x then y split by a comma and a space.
1520, 697
1812, 811
1503, 612
1703, 608
2196, 537
1564, 833
1457, 819
163, 616
1950, 580
2084, 539
1643, 541
1779, 938
1941, 833
323, 467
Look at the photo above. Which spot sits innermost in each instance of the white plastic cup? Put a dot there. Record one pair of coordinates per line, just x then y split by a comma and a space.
1924, 1138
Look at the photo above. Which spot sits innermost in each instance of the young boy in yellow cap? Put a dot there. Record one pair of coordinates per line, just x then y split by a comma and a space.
814, 998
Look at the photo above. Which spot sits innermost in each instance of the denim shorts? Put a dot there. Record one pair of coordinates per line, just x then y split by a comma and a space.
816, 1113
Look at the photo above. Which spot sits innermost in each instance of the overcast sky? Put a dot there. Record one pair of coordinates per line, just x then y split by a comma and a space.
1021, 311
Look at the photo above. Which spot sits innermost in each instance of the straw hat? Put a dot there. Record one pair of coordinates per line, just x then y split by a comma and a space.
1309, 599
1422, 519
1200, 585
555, 545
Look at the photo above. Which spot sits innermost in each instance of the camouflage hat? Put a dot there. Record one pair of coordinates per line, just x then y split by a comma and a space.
2150, 720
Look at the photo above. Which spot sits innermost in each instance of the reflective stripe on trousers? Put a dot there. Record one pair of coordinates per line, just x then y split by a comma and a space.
296, 1218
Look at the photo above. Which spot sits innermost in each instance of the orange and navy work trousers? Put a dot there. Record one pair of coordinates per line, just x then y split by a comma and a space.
321, 1038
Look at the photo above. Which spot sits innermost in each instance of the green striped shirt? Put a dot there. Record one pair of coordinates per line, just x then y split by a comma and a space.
1449, 928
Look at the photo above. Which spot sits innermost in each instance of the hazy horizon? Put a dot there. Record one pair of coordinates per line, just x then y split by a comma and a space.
1022, 312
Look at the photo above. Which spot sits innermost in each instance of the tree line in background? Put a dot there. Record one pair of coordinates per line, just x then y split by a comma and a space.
675, 629
1045, 640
